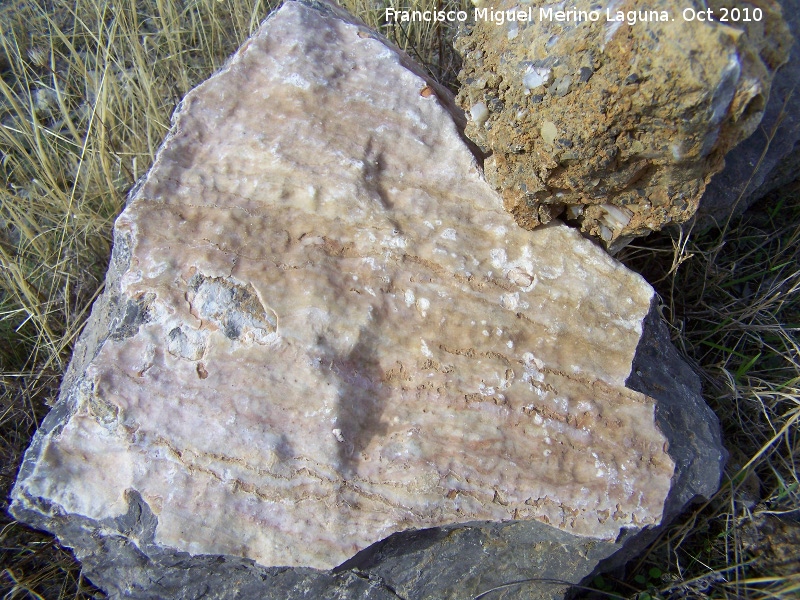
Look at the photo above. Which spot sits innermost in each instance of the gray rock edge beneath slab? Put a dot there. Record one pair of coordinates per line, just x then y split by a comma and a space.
450, 562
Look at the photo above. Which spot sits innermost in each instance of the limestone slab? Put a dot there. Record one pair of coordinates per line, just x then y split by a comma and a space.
321, 328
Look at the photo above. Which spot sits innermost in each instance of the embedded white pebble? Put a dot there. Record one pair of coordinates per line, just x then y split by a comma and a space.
513, 31
535, 77
425, 350
479, 113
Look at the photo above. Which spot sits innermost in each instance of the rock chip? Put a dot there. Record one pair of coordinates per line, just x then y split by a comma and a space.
320, 329
610, 114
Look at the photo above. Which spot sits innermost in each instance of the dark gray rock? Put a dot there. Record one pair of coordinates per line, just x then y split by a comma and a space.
520, 559
682, 415
769, 158
692, 428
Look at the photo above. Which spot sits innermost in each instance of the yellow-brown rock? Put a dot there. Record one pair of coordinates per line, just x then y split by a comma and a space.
612, 115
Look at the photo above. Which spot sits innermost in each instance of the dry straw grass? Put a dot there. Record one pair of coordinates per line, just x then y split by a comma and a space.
86, 93
733, 301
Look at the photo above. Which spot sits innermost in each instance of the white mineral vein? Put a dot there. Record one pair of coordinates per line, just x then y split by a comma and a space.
346, 335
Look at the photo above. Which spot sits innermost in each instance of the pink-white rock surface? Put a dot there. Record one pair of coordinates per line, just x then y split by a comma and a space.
332, 330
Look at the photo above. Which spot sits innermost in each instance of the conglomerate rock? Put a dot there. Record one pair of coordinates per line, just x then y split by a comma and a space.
320, 328
612, 115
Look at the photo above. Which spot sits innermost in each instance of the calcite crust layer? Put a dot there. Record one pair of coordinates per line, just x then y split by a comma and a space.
331, 330
618, 121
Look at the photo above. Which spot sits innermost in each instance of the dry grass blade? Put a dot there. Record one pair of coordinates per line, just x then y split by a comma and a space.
735, 306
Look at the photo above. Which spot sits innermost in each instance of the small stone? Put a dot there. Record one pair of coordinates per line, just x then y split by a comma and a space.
549, 132
561, 86
536, 77
632, 79
479, 113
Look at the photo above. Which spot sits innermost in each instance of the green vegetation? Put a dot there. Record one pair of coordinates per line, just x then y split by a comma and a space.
86, 93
